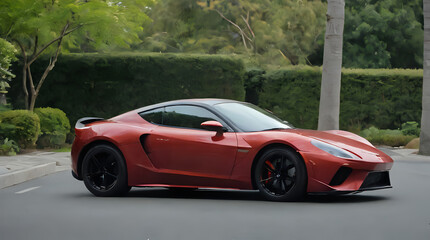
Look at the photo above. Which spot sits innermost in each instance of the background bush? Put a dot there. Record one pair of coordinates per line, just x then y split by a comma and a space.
105, 85
380, 97
388, 137
253, 83
8, 147
54, 127
21, 126
411, 128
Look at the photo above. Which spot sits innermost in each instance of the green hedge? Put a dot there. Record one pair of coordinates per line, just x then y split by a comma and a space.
21, 126
54, 127
105, 85
379, 97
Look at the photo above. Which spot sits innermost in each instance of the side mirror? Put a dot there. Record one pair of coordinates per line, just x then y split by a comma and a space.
212, 126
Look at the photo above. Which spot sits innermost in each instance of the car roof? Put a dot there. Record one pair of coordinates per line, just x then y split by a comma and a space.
194, 101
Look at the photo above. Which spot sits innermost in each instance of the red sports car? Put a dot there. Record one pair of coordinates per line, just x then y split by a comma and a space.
217, 143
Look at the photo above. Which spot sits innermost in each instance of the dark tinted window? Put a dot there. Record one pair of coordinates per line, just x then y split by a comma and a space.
187, 116
153, 116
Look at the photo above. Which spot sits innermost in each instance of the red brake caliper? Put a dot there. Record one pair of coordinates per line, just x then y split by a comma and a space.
269, 173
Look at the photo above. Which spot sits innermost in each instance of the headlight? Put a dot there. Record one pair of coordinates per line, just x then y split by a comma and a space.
333, 150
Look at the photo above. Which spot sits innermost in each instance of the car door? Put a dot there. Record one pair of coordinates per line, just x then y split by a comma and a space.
180, 145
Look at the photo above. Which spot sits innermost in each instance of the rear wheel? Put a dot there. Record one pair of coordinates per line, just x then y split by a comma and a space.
280, 175
104, 171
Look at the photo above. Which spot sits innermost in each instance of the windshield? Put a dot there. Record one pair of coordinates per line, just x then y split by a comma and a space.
250, 118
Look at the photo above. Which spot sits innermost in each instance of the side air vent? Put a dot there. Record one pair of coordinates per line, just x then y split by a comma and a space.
341, 175
142, 142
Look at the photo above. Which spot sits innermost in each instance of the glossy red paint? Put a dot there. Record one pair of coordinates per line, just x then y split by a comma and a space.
212, 124
168, 156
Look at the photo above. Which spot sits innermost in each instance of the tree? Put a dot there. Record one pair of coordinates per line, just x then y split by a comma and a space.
274, 32
7, 55
44, 27
425, 118
332, 63
383, 34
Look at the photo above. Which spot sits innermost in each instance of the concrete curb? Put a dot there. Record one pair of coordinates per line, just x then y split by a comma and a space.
20, 176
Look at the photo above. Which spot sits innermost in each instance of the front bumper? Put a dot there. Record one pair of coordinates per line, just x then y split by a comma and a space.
375, 181
76, 176
334, 175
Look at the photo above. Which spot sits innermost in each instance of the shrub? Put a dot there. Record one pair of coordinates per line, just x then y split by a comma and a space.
253, 83
54, 127
293, 95
394, 138
105, 85
21, 126
384, 98
411, 128
8, 147
4, 108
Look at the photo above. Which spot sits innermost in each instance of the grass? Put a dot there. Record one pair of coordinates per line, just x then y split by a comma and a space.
63, 149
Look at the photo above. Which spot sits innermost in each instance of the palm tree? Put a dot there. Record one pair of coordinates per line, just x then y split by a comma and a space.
332, 63
425, 117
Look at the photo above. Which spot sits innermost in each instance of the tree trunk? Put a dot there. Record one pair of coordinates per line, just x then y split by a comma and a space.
3, 99
24, 83
332, 64
32, 102
425, 117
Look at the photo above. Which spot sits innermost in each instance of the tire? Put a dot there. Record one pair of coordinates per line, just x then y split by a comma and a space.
281, 175
104, 171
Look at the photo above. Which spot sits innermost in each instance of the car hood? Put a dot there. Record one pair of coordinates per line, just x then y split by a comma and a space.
345, 140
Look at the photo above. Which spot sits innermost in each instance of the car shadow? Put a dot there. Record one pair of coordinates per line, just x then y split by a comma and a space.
347, 198
211, 194
218, 194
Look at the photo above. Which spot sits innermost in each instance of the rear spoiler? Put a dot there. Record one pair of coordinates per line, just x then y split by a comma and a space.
86, 120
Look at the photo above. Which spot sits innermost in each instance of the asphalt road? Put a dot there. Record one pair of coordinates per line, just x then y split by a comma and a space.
59, 207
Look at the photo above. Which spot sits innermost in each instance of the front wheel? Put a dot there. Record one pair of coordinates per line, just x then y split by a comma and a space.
280, 175
104, 171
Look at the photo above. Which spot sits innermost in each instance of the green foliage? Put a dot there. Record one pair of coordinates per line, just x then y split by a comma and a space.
54, 127
63, 149
7, 56
379, 97
52, 120
105, 85
4, 108
281, 32
377, 34
46, 27
388, 137
98, 23
383, 34
8, 147
293, 95
21, 126
253, 84
411, 128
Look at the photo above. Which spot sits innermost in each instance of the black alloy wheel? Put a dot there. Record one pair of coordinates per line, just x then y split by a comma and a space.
280, 175
104, 171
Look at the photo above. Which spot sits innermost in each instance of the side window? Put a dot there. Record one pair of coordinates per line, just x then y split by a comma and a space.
187, 116
153, 116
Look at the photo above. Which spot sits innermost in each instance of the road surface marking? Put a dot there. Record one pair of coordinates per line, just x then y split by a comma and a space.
27, 190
